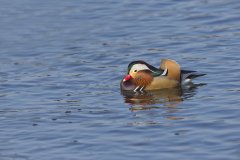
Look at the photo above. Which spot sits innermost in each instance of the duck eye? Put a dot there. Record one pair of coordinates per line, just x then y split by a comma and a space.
135, 70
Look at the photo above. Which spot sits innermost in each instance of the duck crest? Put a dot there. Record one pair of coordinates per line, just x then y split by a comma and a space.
156, 71
173, 68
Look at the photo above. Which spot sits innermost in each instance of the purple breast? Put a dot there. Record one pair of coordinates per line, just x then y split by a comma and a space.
127, 85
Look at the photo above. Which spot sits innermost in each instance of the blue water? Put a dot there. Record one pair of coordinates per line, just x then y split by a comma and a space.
60, 67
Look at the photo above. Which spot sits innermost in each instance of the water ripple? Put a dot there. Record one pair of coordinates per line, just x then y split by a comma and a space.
61, 65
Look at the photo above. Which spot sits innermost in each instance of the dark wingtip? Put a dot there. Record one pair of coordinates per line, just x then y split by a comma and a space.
191, 74
195, 75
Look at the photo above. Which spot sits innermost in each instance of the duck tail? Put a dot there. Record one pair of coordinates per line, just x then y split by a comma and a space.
187, 76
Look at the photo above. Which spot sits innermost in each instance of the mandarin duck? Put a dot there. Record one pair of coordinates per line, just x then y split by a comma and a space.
143, 76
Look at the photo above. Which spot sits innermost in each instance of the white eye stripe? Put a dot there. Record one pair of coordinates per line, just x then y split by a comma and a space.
139, 67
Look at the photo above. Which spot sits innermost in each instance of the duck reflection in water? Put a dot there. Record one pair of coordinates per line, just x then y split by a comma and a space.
167, 100
171, 96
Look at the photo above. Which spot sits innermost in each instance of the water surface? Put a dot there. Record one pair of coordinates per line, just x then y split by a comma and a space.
62, 61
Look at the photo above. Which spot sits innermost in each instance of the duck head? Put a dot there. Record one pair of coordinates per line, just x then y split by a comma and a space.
140, 75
